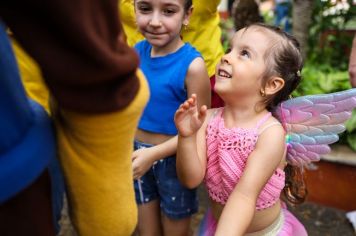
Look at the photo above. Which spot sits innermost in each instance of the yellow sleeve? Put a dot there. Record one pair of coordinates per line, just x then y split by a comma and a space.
95, 153
128, 19
204, 27
31, 76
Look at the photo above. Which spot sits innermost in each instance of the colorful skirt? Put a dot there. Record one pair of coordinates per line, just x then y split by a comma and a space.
285, 225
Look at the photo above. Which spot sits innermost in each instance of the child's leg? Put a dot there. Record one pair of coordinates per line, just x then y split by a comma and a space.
149, 219
178, 203
174, 227
147, 198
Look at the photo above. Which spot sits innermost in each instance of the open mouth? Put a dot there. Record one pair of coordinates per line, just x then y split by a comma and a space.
224, 73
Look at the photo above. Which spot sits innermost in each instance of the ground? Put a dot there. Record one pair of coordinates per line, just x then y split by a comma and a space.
318, 220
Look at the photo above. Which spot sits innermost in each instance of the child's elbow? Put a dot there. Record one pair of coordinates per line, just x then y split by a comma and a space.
189, 182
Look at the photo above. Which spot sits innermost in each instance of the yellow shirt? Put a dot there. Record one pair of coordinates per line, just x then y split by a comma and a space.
203, 31
95, 153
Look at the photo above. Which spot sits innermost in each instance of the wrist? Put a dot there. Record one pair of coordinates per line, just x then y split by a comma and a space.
180, 136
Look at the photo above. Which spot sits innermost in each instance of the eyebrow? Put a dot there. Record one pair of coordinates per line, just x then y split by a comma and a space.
164, 3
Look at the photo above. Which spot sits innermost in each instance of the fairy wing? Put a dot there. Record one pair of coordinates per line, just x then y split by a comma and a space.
312, 123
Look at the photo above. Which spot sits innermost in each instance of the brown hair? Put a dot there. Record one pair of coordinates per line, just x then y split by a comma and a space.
284, 59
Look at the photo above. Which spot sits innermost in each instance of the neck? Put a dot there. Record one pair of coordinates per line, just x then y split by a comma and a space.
171, 47
243, 112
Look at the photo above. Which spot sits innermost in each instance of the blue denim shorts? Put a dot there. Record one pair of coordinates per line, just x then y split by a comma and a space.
161, 182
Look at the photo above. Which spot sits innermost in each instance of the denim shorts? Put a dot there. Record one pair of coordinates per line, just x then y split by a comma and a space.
161, 182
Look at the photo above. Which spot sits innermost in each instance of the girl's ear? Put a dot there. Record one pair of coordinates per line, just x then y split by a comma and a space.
273, 85
187, 15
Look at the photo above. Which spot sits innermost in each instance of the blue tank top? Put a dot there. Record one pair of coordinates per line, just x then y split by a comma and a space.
166, 79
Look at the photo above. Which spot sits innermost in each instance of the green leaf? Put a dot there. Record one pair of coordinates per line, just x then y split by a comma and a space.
351, 123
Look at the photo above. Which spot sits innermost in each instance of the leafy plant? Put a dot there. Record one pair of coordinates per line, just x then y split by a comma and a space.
326, 68
329, 42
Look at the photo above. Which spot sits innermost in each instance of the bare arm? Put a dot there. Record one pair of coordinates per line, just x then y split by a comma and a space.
143, 159
262, 162
197, 82
191, 157
191, 152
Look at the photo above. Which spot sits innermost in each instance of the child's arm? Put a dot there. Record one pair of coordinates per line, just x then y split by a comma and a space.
261, 164
197, 82
190, 165
143, 159
191, 152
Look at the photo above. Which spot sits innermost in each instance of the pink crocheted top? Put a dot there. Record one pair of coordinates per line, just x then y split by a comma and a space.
228, 150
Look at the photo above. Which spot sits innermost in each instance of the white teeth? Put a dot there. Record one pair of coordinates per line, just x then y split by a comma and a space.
223, 73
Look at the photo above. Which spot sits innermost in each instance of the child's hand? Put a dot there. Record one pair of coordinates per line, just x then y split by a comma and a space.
141, 162
188, 119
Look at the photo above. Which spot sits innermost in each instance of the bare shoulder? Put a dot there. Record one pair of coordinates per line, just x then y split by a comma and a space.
271, 141
196, 67
271, 125
272, 128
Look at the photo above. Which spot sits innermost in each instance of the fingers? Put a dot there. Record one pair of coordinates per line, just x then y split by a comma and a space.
202, 112
190, 102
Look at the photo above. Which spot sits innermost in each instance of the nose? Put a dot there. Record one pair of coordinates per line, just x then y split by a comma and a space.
225, 59
155, 21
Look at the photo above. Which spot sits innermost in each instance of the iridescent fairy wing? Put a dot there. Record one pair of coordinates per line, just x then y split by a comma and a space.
312, 123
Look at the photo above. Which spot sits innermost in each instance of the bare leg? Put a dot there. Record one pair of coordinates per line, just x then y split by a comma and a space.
176, 227
149, 219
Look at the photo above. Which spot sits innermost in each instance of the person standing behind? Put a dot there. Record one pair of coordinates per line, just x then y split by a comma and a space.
203, 32
174, 71
282, 14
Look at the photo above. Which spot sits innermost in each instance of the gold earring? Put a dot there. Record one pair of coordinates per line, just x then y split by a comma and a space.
263, 93
185, 26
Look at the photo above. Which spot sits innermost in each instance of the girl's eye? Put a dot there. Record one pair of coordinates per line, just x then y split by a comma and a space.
144, 9
228, 51
244, 53
168, 11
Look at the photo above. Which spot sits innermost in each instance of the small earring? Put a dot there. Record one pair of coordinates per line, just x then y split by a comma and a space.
263, 93
185, 26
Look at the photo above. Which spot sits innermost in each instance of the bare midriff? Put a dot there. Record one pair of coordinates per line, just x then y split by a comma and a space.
261, 220
151, 138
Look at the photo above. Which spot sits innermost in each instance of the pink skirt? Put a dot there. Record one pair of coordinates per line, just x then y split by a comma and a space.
290, 226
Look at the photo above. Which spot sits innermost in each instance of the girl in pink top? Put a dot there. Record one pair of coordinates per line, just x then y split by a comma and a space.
239, 150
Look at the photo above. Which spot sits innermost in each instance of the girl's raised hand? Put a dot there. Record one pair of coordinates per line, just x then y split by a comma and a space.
188, 119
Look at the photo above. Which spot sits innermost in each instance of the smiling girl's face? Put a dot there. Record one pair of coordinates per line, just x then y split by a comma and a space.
160, 21
240, 71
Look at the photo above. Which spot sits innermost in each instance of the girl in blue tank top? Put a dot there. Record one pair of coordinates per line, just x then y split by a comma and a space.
174, 71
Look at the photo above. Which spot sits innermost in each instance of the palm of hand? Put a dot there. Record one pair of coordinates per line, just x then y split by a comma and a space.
188, 121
